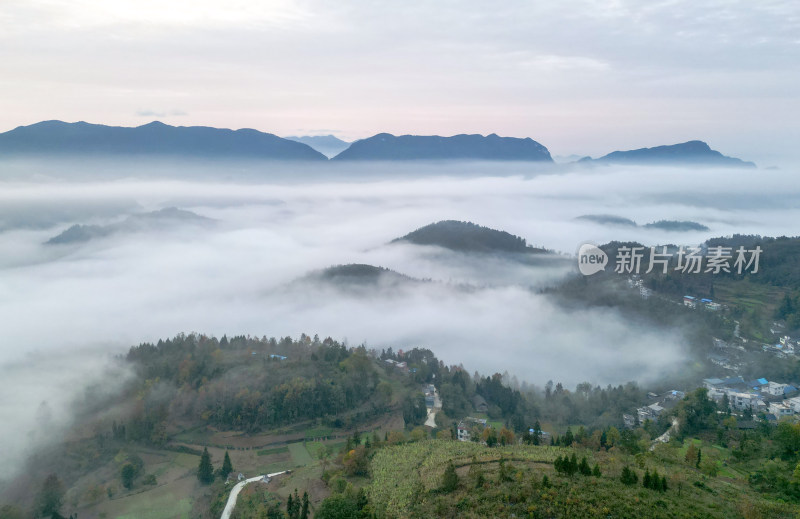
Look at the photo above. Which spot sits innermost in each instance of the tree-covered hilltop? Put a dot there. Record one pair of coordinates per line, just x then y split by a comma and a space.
359, 274
245, 382
468, 237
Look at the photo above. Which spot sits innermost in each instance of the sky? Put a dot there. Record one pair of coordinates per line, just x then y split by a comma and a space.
581, 76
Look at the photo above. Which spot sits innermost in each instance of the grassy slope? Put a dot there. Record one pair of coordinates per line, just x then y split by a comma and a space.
405, 479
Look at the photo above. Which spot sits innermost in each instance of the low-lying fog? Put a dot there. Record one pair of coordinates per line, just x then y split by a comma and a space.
235, 275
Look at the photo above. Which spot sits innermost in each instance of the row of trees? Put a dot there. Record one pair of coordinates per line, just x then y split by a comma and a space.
570, 466
205, 470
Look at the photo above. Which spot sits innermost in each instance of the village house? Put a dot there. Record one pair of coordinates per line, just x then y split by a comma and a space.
779, 409
776, 389
649, 412
479, 404
466, 425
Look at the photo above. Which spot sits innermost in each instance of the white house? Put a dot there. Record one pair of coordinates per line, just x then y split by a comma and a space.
465, 427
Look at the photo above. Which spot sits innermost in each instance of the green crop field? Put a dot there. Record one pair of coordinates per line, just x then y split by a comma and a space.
300, 455
160, 503
269, 452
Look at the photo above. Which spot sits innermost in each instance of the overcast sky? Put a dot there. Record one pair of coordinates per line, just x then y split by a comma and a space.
581, 77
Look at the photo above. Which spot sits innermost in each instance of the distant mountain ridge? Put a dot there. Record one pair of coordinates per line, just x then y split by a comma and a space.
468, 237
691, 152
155, 138
58, 138
154, 220
385, 146
328, 145
664, 225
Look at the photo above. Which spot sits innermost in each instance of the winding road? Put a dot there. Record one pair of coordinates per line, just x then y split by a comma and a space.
231, 504
664, 438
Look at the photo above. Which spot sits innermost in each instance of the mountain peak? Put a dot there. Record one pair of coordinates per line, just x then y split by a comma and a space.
694, 152
467, 237
385, 146
155, 124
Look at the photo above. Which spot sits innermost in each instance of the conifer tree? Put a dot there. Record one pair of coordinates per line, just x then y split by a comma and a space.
304, 508
449, 478
227, 466
205, 471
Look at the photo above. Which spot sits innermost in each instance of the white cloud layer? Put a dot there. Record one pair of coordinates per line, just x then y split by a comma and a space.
64, 309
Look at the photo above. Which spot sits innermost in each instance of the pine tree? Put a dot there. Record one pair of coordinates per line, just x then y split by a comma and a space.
205, 471
573, 463
304, 509
583, 468
568, 438
227, 466
293, 506
545, 481
449, 478
596, 471
699, 457
629, 476
51, 496
663, 483
646, 479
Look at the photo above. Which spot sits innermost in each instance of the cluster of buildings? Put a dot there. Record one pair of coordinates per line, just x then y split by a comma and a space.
775, 399
653, 411
708, 304
784, 348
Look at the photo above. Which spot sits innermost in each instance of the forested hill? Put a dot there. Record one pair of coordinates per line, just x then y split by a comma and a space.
162, 219
467, 237
250, 383
359, 274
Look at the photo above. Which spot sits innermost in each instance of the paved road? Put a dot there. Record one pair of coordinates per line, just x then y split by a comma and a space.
437, 404
664, 438
231, 504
